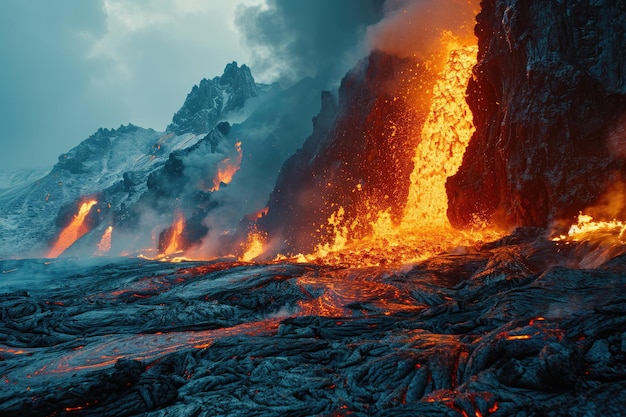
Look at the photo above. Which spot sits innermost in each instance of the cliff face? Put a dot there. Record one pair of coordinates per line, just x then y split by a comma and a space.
357, 158
547, 96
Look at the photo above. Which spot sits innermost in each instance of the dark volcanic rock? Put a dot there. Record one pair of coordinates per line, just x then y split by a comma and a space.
504, 330
547, 96
360, 151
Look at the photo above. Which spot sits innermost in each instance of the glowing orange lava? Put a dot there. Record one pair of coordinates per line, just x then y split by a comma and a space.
227, 168
104, 246
588, 229
424, 229
174, 241
73, 231
254, 246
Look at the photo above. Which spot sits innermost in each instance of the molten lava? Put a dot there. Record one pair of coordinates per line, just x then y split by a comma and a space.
104, 246
424, 229
227, 168
174, 236
73, 231
588, 229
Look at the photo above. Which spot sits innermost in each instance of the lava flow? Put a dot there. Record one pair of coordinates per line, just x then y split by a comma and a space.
173, 236
73, 231
227, 168
424, 229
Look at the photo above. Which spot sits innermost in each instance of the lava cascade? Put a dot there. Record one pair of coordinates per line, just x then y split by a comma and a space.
227, 168
73, 231
104, 246
174, 236
424, 229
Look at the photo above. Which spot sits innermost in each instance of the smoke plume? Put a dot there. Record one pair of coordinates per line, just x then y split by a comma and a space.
317, 38
414, 28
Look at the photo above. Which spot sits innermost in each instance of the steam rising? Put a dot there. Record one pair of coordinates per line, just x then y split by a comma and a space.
413, 28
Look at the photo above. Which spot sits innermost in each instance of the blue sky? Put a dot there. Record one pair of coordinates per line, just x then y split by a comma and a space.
71, 66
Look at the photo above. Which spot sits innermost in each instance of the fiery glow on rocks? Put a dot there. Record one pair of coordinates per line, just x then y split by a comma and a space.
424, 229
588, 229
227, 168
73, 231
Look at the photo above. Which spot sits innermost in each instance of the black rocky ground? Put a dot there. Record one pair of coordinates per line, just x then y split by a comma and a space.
525, 326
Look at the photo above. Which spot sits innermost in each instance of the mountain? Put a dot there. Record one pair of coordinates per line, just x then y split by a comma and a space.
131, 170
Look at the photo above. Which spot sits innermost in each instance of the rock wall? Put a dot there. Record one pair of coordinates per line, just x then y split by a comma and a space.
547, 95
359, 157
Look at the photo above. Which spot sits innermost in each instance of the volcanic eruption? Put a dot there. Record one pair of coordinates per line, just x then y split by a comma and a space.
447, 240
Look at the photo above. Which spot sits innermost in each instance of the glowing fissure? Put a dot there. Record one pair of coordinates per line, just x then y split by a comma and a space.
73, 231
227, 168
424, 229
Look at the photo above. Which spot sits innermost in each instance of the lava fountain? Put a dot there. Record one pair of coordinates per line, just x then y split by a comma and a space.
423, 230
73, 231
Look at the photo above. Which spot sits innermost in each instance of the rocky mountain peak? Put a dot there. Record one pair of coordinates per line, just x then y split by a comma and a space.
209, 101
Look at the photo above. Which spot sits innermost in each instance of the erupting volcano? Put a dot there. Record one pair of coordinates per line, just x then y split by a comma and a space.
423, 229
448, 239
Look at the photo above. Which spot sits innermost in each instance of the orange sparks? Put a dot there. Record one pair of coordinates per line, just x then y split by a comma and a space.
104, 246
424, 229
227, 168
175, 241
73, 231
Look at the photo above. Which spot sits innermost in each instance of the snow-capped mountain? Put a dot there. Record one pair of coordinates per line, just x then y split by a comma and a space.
125, 169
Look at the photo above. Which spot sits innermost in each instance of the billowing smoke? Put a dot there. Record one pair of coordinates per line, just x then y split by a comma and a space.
307, 38
413, 28
324, 38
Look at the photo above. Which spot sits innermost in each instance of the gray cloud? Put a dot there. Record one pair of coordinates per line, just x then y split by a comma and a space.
44, 72
320, 38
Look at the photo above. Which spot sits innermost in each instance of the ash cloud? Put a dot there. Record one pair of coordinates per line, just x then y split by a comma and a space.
291, 40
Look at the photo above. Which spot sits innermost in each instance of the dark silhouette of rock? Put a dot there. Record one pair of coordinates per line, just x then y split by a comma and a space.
548, 97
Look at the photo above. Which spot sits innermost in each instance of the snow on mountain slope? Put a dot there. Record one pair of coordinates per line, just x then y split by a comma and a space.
111, 161
20, 177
